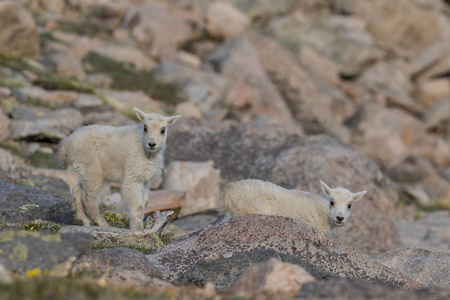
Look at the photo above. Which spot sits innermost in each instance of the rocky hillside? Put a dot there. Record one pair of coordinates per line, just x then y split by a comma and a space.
355, 93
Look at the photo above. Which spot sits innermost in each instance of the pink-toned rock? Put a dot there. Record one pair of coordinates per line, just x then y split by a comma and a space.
224, 21
200, 180
434, 90
124, 101
48, 98
69, 65
222, 252
390, 135
273, 277
159, 30
18, 30
237, 61
165, 200
189, 110
428, 266
125, 54
406, 27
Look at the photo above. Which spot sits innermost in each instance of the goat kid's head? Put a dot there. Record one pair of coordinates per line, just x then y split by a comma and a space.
341, 200
154, 129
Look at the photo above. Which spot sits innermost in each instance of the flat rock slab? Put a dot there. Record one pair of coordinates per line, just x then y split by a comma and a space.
429, 266
111, 237
22, 250
118, 258
342, 288
22, 204
220, 253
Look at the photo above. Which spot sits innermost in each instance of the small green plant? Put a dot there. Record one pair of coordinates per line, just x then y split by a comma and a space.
115, 219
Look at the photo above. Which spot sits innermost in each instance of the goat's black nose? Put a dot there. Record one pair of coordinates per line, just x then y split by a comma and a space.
152, 145
340, 218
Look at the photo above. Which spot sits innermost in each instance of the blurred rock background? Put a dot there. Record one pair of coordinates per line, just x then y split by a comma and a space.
355, 93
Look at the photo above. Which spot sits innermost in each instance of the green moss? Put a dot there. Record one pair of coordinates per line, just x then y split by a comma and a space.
44, 76
126, 77
20, 252
47, 37
43, 160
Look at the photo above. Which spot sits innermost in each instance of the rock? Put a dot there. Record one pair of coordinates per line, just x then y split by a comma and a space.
87, 103
165, 200
188, 59
52, 185
52, 99
203, 88
223, 21
67, 64
110, 118
273, 154
389, 135
124, 101
312, 109
343, 40
200, 180
237, 61
110, 237
39, 252
318, 64
4, 126
390, 78
189, 110
273, 276
52, 127
22, 204
420, 173
430, 92
18, 31
407, 29
5, 276
437, 117
120, 258
432, 230
159, 30
222, 252
128, 55
99, 79
195, 221
356, 289
430, 267
132, 278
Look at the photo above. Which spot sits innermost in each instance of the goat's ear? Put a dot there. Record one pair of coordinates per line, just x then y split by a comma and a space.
140, 114
173, 119
357, 196
325, 188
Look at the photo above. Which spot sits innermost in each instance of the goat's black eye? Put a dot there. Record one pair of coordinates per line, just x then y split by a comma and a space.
350, 206
163, 130
332, 203
145, 128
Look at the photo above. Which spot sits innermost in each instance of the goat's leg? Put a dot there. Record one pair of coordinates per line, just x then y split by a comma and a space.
80, 214
89, 199
132, 194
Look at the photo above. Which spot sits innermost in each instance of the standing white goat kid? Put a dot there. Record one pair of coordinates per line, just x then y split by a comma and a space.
131, 155
252, 196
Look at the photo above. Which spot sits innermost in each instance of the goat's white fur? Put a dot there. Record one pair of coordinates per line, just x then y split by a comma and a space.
131, 155
252, 196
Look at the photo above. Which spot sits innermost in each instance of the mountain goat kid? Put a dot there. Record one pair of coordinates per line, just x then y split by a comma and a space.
131, 155
253, 196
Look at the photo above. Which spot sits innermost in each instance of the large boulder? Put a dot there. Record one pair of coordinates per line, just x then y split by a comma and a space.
237, 61
431, 267
220, 253
22, 204
41, 252
18, 30
317, 111
272, 154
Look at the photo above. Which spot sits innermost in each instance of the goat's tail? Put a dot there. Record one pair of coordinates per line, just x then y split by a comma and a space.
62, 155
